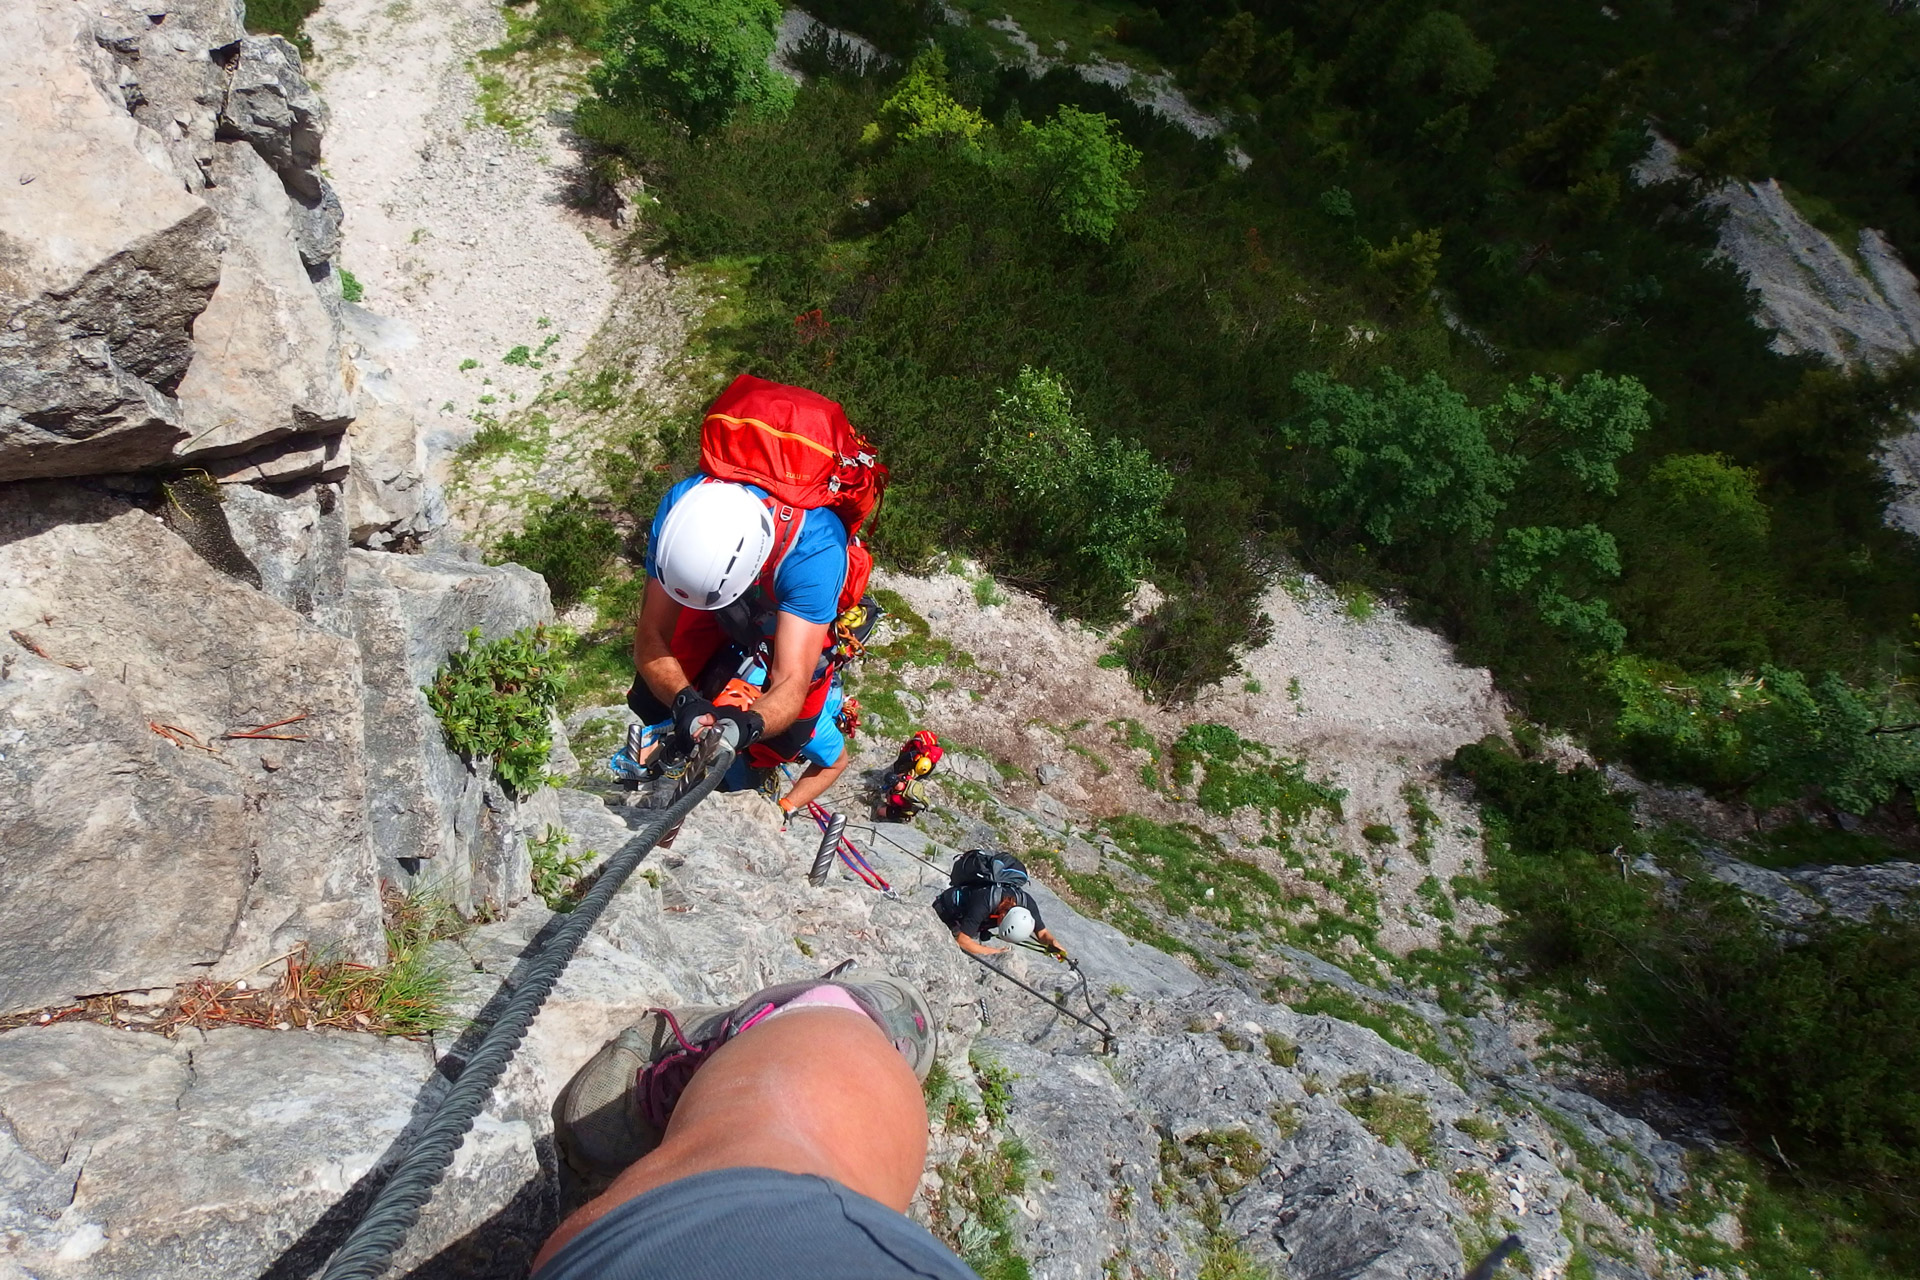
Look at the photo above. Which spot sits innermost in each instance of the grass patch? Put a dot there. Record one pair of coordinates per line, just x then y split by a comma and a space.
1398, 1119
1234, 773
284, 18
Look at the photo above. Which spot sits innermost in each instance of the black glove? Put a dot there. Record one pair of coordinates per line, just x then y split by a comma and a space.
750, 724
688, 707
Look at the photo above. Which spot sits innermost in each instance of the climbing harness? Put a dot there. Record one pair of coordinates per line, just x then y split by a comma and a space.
1094, 1021
369, 1250
835, 840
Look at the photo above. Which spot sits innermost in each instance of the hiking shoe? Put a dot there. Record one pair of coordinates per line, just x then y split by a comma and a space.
615, 1108
902, 1012
624, 764
599, 1124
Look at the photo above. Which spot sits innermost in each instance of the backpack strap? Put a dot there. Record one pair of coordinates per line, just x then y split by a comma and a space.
788, 521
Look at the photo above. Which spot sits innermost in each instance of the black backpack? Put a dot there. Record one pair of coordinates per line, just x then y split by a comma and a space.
983, 868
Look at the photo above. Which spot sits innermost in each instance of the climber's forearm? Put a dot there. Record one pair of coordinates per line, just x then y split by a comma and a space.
653, 644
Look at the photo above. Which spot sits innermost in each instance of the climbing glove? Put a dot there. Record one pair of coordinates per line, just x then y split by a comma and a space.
750, 724
688, 708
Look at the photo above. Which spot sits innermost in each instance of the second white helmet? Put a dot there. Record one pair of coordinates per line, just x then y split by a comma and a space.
713, 544
1015, 926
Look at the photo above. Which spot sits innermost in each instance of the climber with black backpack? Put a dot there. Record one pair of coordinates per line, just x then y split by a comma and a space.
986, 895
754, 561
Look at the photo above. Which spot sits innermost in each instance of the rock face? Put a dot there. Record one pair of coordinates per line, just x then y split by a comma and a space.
426, 804
134, 857
1804, 894
1850, 308
267, 362
1128, 1149
105, 260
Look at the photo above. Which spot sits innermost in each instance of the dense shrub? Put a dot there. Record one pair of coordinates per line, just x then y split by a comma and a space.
698, 60
568, 544
494, 699
1813, 1033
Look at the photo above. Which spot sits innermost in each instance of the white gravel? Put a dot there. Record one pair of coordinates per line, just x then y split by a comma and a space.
457, 228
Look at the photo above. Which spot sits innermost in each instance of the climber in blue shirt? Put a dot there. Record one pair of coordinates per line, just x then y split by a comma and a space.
711, 598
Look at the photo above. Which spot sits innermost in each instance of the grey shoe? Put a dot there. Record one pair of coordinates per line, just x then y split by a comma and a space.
616, 1107
599, 1124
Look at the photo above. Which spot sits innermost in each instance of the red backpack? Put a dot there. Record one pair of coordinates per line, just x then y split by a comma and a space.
798, 446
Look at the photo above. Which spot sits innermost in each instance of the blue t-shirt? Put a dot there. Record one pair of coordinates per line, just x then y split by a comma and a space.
808, 581
827, 742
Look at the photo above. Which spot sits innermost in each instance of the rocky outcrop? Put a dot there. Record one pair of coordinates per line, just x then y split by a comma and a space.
106, 260
167, 294
1851, 306
1802, 895
426, 804
1222, 1122
141, 847
267, 363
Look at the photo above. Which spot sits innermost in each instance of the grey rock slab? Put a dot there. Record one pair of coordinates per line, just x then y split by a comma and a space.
105, 260
1859, 893
390, 495
327, 458
271, 107
267, 360
1803, 894
218, 1155
424, 801
1110, 957
297, 538
132, 862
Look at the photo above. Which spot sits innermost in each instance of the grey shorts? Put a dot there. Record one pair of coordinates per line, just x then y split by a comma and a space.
754, 1224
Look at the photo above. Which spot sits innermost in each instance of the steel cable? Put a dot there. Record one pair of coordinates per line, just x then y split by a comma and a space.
396, 1207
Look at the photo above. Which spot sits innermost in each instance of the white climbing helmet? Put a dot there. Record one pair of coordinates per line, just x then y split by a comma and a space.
713, 544
1015, 926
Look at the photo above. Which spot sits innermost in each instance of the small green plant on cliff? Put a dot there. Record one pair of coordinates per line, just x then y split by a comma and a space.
351, 290
556, 873
493, 698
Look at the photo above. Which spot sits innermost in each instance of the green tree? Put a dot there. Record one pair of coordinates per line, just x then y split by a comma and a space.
699, 60
1712, 498
922, 109
1555, 568
1408, 460
1439, 55
1094, 502
1078, 165
1583, 429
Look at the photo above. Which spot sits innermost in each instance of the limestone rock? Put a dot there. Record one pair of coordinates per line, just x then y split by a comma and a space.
221, 1154
425, 802
105, 260
132, 862
1804, 894
267, 362
271, 107
390, 495
297, 538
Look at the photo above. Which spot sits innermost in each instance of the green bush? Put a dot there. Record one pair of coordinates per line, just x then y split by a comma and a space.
1078, 163
698, 60
1777, 737
568, 544
494, 699
286, 18
1095, 503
